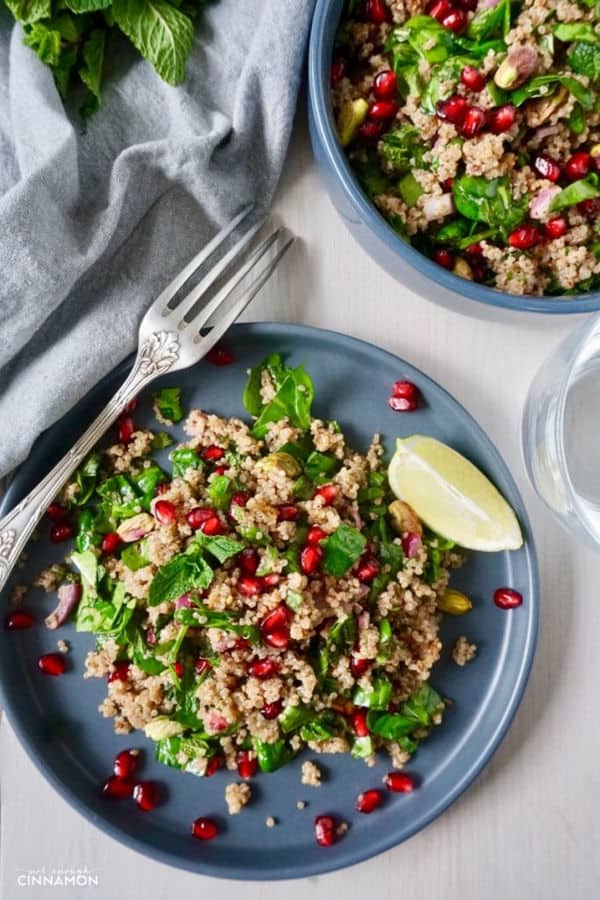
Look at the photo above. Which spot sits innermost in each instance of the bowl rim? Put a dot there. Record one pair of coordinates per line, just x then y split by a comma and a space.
319, 54
505, 717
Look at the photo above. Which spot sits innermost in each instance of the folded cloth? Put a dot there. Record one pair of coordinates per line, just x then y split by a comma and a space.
95, 222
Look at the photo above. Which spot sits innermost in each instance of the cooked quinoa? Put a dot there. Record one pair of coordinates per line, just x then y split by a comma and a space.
475, 130
463, 651
252, 601
236, 797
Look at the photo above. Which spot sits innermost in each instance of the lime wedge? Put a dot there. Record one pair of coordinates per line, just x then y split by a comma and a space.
451, 496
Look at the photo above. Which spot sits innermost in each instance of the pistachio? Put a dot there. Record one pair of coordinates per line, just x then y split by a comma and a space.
162, 727
135, 528
350, 118
404, 519
517, 68
539, 111
280, 460
454, 602
461, 267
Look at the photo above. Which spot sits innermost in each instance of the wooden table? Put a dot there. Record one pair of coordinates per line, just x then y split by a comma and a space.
529, 827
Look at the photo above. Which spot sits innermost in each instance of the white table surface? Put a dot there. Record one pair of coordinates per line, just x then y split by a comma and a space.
529, 827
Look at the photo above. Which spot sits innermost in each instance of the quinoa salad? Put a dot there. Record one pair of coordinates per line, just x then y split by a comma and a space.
266, 595
474, 127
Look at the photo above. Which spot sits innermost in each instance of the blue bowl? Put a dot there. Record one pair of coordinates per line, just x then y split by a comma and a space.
365, 223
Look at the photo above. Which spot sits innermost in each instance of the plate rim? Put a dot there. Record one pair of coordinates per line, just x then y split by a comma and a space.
13, 495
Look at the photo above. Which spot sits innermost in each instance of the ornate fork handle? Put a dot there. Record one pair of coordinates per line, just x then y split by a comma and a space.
158, 354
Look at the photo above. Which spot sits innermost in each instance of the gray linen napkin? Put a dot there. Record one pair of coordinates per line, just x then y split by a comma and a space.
94, 224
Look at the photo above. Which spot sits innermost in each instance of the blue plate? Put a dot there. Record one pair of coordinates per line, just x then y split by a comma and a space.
57, 721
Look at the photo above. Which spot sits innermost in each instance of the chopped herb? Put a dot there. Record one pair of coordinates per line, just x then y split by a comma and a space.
167, 403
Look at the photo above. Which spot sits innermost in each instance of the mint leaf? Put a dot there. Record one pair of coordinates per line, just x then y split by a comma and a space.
45, 41
84, 6
181, 574
162, 34
185, 458
28, 11
584, 58
342, 549
90, 71
222, 548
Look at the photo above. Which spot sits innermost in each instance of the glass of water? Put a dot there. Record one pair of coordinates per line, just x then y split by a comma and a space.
561, 432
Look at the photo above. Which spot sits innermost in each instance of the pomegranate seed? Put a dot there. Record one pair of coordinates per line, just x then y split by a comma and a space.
324, 831
406, 390
178, 669
383, 110
213, 453
546, 167
328, 493
249, 586
455, 21
400, 404
578, 165
212, 527
506, 598
287, 513
57, 513
443, 258
201, 665
370, 129
147, 795
240, 499
474, 250
385, 85
359, 723
151, 638
249, 561
278, 618
556, 228
270, 581
198, 516
271, 710
472, 79
120, 672
52, 664
246, 765
219, 356
367, 570
213, 765
125, 429
358, 665
337, 70
452, 110
411, 544
18, 620
204, 829
449, 183
524, 237
310, 559
473, 123
165, 512
369, 801
440, 9
220, 470
263, 668
467, 5
588, 207
126, 762
502, 118
278, 639
117, 788
399, 783
376, 11
161, 488
315, 535
131, 406
110, 542
60, 533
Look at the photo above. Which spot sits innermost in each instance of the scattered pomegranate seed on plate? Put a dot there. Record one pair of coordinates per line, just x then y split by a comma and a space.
271, 710
507, 598
359, 665
52, 664
19, 620
204, 829
371, 129
125, 429
287, 513
278, 639
60, 533
399, 782
213, 765
328, 493
213, 453
325, 831
247, 765
219, 356
147, 795
126, 762
117, 788
57, 513
201, 665
249, 586
165, 512
368, 801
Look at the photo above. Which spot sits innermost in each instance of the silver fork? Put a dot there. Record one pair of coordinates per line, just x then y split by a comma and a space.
169, 339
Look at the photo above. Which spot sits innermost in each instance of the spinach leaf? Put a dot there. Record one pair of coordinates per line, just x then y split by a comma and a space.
323, 726
87, 479
272, 756
423, 704
402, 149
200, 616
274, 366
167, 402
417, 712
378, 697
342, 549
182, 752
320, 467
341, 637
584, 189
87, 535
161, 440
576, 31
577, 119
440, 86
119, 498
293, 401
489, 200
181, 574
494, 20
392, 558
185, 458
427, 37
133, 556
362, 747
294, 717
544, 85
220, 491
386, 640
372, 179
146, 483
94, 613
390, 726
